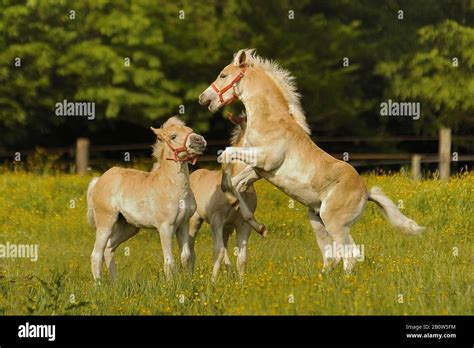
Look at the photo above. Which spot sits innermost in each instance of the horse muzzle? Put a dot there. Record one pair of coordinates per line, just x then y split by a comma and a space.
196, 144
203, 99
209, 98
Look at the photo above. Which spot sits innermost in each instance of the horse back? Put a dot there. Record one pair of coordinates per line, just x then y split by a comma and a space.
210, 199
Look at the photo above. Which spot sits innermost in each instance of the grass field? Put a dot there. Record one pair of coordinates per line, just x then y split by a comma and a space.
427, 274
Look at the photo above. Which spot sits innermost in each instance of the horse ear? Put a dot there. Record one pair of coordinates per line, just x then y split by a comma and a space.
241, 58
157, 131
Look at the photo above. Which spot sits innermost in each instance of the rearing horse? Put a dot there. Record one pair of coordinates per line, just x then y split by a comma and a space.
278, 148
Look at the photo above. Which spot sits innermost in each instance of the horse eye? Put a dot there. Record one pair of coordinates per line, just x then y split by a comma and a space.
222, 76
173, 136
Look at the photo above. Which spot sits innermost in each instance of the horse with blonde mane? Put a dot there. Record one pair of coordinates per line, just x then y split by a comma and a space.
221, 210
277, 147
122, 201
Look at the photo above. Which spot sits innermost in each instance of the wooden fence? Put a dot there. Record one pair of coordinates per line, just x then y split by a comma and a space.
444, 157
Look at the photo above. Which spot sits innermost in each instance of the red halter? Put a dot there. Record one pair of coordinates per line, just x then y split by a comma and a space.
177, 151
220, 92
235, 120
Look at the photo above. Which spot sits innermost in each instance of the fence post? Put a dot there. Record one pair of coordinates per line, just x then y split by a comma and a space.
82, 155
416, 167
444, 153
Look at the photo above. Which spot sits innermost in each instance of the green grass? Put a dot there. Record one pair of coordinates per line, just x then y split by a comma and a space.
36, 210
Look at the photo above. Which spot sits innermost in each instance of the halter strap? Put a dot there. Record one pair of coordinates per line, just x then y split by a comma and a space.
236, 120
176, 151
232, 84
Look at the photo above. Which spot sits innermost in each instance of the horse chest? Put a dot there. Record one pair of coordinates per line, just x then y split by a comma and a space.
251, 138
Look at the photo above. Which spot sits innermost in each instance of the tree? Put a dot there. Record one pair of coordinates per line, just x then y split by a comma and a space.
439, 74
142, 61
137, 60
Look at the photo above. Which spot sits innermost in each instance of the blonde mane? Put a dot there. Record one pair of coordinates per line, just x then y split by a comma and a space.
237, 131
285, 82
235, 135
157, 150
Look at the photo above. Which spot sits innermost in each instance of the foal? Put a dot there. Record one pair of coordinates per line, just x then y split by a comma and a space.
278, 148
221, 210
122, 200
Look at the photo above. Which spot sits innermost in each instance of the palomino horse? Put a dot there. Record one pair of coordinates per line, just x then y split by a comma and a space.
123, 200
277, 147
221, 211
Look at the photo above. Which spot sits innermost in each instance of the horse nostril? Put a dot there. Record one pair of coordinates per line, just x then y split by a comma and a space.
199, 140
203, 101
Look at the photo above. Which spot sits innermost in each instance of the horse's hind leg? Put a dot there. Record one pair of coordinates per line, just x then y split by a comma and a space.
354, 255
226, 234
344, 247
338, 218
243, 233
121, 232
323, 238
195, 224
340, 234
104, 224
219, 248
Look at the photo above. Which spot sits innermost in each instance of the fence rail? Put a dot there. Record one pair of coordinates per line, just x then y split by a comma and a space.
82, 150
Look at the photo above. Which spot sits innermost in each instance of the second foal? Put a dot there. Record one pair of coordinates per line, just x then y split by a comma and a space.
221, 209
122, 200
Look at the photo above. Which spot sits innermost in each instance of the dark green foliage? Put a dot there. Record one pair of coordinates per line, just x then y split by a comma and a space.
173, 59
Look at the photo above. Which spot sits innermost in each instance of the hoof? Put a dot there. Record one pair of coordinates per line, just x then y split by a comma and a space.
263, 231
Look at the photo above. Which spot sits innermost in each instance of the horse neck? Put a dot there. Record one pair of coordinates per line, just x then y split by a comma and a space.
263, 102
171, 169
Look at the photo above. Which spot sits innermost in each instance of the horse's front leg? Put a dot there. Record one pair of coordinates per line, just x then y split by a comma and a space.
232, 193
226, 185
231, 154
248, 155
245, 179
182, 234
263, 158
167, 231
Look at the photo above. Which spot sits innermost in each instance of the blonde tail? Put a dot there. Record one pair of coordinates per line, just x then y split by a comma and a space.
393, 214
90, 208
